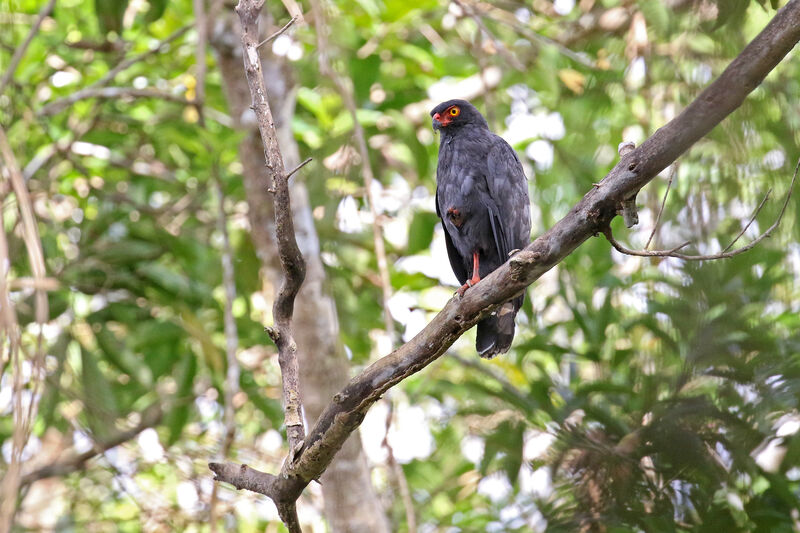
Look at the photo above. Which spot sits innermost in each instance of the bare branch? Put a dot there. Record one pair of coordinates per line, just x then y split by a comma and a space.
95, 90
10, 335
76, 461
298, 167
244, 477
345, 87
231, 340
200, 56
125, 64
20, 51
511, 58
110, 93
400, 476
279, 32
500, 15
725, 254
752, 218
291, 259
673, 171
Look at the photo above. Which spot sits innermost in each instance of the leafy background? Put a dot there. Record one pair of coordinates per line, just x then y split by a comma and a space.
640, 394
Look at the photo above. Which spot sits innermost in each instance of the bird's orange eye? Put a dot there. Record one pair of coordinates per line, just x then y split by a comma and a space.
454, 111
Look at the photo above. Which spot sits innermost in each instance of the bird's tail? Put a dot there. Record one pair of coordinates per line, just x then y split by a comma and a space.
496, 331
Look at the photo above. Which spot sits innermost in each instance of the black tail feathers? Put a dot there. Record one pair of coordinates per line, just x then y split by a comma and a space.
496, 331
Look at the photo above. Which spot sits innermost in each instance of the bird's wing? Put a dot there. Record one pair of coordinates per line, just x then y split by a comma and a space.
509, 207
456, 261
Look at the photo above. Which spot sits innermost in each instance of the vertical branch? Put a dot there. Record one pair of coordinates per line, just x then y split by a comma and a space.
672, 173
10, 331
231, 341
200, 55
400, 476
292, 262
23, 418
345, 88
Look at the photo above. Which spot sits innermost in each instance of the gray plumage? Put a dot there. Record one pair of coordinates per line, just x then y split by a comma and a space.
482, 199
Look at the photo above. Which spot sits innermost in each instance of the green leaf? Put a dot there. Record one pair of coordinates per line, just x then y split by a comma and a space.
176, 418
156, 11
109, 14
420, 232
99, 401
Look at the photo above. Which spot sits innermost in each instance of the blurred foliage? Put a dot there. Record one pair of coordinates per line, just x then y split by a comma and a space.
640, 395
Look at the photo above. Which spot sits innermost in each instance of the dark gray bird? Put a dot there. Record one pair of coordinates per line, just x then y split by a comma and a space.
482, 199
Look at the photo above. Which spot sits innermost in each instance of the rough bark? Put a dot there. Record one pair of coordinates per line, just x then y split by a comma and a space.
588, 217
351, 505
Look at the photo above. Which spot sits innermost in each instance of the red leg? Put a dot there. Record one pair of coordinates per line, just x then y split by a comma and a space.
476, 275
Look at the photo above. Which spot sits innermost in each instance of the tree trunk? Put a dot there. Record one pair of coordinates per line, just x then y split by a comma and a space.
351, 505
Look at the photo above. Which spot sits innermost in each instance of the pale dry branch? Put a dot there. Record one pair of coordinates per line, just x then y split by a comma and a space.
23, 415
292, 262
11, 337
724, 254
588, 217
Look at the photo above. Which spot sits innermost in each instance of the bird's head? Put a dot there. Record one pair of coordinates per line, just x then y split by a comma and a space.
456, 113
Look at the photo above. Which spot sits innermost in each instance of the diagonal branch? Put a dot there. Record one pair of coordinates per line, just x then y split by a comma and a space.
590, 216
97, 87
110, 93
20, 51
76, 461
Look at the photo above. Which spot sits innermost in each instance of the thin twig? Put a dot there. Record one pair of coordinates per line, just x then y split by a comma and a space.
752, 218
298, 167
231, 340
400, 476
511, 58
110, 93
96, 89
710, 257
487, 370
20, 51
279, 32
74, 461
672, 172
125, 64
345, 88
510, 20
200, 56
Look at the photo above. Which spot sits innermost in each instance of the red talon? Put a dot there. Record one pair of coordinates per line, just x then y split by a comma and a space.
476, 276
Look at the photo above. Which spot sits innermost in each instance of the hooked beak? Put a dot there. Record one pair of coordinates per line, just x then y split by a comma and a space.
440, 122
